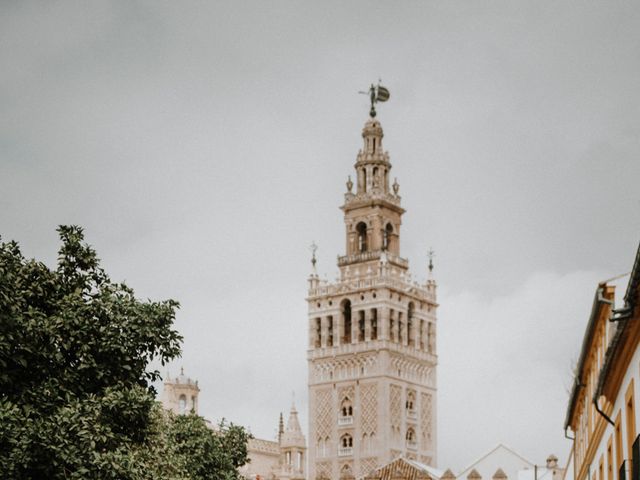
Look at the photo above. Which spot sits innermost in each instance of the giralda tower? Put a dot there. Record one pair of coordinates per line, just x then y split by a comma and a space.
372, 337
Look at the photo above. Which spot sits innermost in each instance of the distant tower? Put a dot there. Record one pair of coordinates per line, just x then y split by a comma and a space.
372, 337
180, 394
293, 449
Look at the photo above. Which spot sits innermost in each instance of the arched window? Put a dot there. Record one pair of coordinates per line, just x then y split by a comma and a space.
330, 332
411, 399
386, 236
361, 230
182, 404
346, 407
411, 435
346, 321
346, 441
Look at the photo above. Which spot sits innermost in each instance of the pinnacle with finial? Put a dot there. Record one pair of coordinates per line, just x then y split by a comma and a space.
314, 249
431, 254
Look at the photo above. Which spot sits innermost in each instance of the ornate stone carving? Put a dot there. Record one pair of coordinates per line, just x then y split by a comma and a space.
323, 470
367, 465
395, 407
426, 426
324, 414
369, 408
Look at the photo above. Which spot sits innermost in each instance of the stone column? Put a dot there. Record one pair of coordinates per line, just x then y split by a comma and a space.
393, 318
323, 330
383, 323
338, 327
354, 326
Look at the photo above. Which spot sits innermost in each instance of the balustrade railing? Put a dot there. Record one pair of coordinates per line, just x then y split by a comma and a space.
342, 421
345, 451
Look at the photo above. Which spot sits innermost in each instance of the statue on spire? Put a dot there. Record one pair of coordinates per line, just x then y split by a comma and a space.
377, 93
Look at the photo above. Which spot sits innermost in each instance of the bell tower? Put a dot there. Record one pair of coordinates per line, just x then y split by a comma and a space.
372, 337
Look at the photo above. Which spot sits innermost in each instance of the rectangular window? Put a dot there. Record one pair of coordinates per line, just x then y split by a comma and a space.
619, 452
630, 420
610, 458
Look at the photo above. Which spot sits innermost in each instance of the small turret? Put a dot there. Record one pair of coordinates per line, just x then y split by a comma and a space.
180, 394
293, 448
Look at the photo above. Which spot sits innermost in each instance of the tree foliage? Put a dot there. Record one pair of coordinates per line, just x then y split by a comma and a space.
76, 394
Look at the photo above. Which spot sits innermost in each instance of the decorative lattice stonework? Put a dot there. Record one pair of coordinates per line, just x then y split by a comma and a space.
323, 470
348, 392
369, 408
426, 405
395, 405
346, 469
368, 465
324, 413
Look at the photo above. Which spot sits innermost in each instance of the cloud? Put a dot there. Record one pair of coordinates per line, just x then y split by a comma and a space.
505, 365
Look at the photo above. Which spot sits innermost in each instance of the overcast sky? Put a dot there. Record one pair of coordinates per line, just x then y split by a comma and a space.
204, 145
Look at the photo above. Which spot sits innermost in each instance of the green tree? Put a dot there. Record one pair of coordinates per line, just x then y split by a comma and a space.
76, 394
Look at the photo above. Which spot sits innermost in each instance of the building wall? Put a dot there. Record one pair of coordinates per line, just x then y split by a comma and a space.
605, 434
608, 372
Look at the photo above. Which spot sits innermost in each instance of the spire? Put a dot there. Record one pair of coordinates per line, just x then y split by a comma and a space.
431, 283
280, 428
293, 436
293, 425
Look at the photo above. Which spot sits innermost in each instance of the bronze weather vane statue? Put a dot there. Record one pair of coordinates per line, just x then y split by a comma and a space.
377, 93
